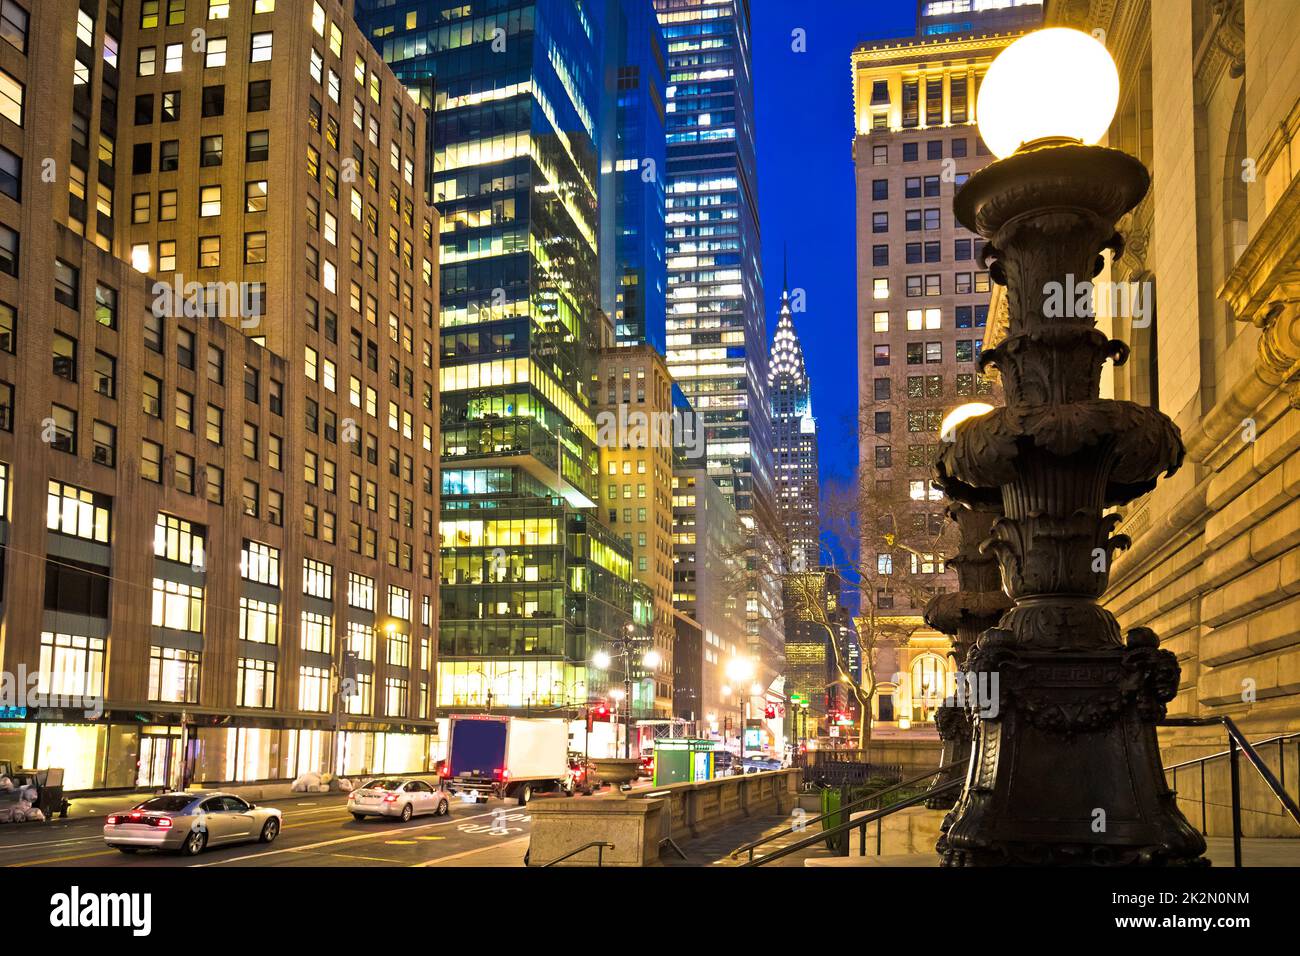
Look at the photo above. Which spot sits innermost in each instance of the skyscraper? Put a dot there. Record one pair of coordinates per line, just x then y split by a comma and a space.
715, 336
923, 293
533, 582
794, 445
634, 277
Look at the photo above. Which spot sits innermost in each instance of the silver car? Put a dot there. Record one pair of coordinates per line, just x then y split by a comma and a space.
400, 797
190, 822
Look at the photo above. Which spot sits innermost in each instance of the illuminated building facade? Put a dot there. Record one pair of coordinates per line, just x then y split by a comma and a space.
794, 445
532, 583
716, 337
635, 282
708, 587
212, 496
923, 312
633, 404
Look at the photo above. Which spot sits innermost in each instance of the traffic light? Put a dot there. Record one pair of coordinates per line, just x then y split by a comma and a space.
597, 711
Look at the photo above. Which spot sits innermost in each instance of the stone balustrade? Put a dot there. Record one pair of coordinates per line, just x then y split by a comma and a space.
638, 822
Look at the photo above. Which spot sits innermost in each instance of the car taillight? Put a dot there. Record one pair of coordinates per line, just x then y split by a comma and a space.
111, 819
163, 823
390, 798
499, 773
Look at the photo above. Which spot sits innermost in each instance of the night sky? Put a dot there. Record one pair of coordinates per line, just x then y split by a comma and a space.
804, 104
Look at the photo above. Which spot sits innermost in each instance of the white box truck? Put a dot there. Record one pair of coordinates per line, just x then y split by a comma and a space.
507, 757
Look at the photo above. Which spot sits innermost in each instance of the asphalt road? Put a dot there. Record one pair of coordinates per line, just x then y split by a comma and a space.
317, 831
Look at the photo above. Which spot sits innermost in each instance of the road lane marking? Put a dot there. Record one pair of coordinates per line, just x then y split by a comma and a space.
63, 859
399, 842
464, 853
372, 859
315, 846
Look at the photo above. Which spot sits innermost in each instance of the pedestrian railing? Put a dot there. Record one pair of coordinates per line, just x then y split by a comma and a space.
872, 798
600, 845
860, 824
1238, 745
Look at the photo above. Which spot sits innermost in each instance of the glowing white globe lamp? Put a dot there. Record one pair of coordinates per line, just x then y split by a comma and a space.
948, 427
1053, 84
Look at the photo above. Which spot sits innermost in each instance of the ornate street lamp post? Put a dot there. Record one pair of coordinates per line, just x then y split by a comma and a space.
977, 604
1066, 766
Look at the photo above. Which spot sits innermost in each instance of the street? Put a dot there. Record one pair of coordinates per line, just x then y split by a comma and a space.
317, 831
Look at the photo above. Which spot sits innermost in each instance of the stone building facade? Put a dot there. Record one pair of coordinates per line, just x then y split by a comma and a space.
1210, 102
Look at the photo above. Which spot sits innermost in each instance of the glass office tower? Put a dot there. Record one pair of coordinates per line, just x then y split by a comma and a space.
716, 337
531, 583
635, 278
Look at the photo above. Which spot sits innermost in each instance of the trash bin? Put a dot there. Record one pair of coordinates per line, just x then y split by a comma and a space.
49, 784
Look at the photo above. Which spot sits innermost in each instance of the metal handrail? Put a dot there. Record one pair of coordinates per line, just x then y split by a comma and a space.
1236, 742
600, 845
861, 822
870, 798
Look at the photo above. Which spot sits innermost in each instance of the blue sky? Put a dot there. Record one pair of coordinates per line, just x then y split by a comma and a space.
804, 105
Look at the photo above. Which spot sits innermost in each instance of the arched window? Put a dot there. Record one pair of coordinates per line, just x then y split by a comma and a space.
1236, 173
929, 685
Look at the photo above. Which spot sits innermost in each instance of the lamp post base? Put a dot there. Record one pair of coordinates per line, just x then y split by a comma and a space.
1068, 770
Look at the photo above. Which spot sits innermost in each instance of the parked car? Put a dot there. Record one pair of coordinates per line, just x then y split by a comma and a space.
400, 797
190, 822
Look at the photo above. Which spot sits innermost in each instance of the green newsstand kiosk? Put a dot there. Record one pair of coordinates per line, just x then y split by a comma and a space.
683, 760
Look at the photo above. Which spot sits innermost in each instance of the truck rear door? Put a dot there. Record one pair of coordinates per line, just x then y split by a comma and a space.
477, 749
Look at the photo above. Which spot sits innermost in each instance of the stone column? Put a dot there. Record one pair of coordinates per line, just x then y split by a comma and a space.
1066, 767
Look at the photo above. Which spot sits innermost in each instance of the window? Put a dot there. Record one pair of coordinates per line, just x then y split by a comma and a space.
209, 201
13, 25
259, 96
105, 374
77, 512
177, 606
151, 395
169, 156
260, 563
317, 579
8, 327
255, 196
317, 632
255, 685
11, 174
151, 454
361, 591
879, 189
104, 444
215, 424
146, 61
12, 95
184, 410
209, 252
259, 621
258, 146
67, 284
210, 151
313, 689
64, 348
167, 202
215, 488
261, 51
215, 52
172, 61
173, 675
880, 322
8, 250
910, 152
71, 665
106, 306
141, 204
184, 472
254, 247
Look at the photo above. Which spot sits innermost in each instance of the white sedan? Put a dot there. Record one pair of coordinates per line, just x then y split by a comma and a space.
398, 797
